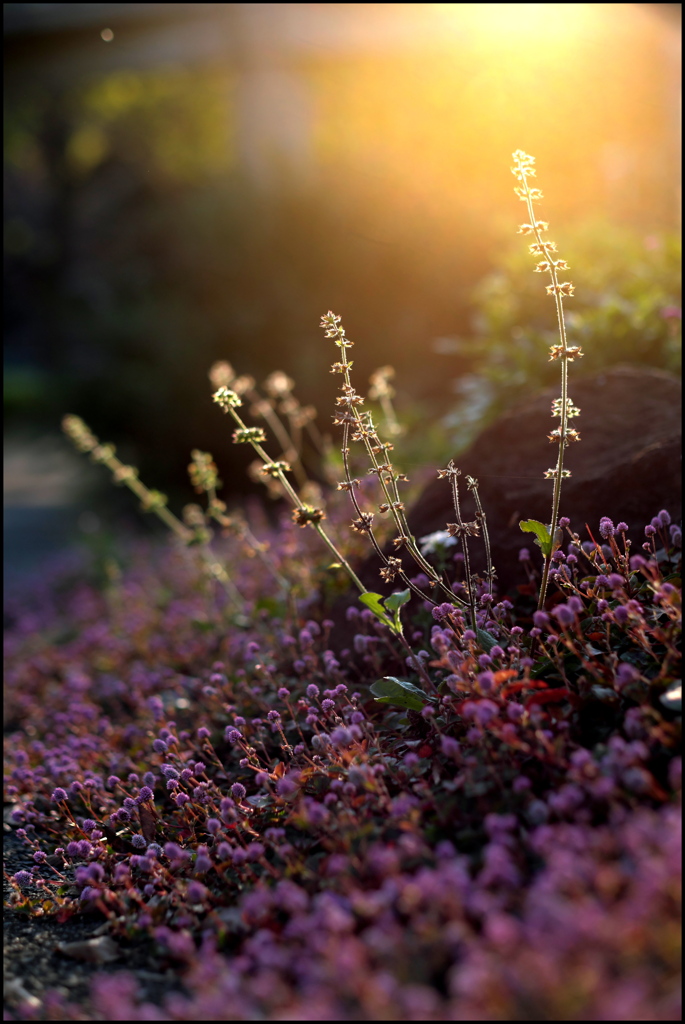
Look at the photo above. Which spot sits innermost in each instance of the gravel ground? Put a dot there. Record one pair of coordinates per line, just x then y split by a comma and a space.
35, 960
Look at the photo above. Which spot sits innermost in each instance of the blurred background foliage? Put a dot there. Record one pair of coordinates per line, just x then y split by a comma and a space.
166, 212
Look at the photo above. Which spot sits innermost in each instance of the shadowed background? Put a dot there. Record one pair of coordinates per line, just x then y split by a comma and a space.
191, 182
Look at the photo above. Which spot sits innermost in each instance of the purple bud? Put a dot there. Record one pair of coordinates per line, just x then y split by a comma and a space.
238, 791
58, 795
649, 531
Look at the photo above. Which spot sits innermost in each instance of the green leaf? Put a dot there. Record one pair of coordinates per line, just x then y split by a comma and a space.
394, 604
399, 693
543, 537
374, 602
486, 640
396, 600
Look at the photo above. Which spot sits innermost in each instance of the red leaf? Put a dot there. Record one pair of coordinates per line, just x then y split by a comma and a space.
549, 696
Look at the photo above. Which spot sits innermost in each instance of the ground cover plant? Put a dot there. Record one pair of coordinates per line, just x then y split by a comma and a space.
469, 811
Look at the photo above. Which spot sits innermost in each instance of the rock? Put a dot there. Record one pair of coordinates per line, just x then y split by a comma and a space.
627, 466
101, 950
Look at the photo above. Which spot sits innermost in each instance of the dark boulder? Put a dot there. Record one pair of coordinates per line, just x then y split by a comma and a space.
627, 466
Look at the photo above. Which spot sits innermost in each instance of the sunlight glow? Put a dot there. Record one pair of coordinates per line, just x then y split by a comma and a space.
524, 24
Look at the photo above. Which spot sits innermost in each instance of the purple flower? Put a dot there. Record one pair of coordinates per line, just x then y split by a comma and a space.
203, 733
341, 737
622, 527
144, 795
664, 517
524, 555
564, 615
202, 860
232, 735
649, 531
484, 711
541, 619
58, 795
283, 692
486, 682
160, 747
312, 691
606, 527
139, 842
196, 891
238, 791
449, 746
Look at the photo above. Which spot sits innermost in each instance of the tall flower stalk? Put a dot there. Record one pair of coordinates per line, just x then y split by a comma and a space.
562, 407
303, 514
359, 426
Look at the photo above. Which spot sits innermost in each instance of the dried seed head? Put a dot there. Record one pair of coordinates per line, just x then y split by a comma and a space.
249, 435
226, 399
153, 500
122, 474
380, 383
79, 433
363, 524
221, 374
274, 469
565, 288
278, 384
308, 516
464, 529
203, 472
571, 409
391, 570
